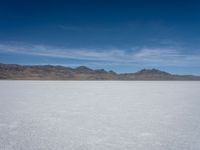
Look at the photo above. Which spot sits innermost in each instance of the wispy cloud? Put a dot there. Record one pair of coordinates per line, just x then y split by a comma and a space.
164, 57
144, 56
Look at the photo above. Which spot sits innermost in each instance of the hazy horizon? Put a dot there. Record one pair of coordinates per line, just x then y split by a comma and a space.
74, 67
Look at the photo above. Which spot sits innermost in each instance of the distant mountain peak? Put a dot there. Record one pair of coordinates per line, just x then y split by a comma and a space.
152, 71
83, 69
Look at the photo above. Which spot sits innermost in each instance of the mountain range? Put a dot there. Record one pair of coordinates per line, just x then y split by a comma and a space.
51, 72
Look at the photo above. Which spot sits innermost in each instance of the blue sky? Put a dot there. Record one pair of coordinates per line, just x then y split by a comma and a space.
123, 36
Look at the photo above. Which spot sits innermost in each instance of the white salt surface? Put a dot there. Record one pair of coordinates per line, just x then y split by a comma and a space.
99, 115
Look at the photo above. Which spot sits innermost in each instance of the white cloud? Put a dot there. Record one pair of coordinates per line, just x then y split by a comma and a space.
149, 57
88, 54
168, 57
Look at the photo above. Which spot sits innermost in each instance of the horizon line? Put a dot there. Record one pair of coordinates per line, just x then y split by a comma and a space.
110, 70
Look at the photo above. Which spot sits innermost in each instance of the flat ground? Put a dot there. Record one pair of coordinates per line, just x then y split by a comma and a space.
99, 115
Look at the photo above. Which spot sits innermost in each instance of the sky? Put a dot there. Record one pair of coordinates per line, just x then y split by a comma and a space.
119, 35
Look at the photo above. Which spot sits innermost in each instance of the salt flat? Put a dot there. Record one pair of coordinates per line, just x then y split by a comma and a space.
99, 115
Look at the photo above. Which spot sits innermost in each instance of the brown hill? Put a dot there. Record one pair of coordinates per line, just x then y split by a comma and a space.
50, 72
